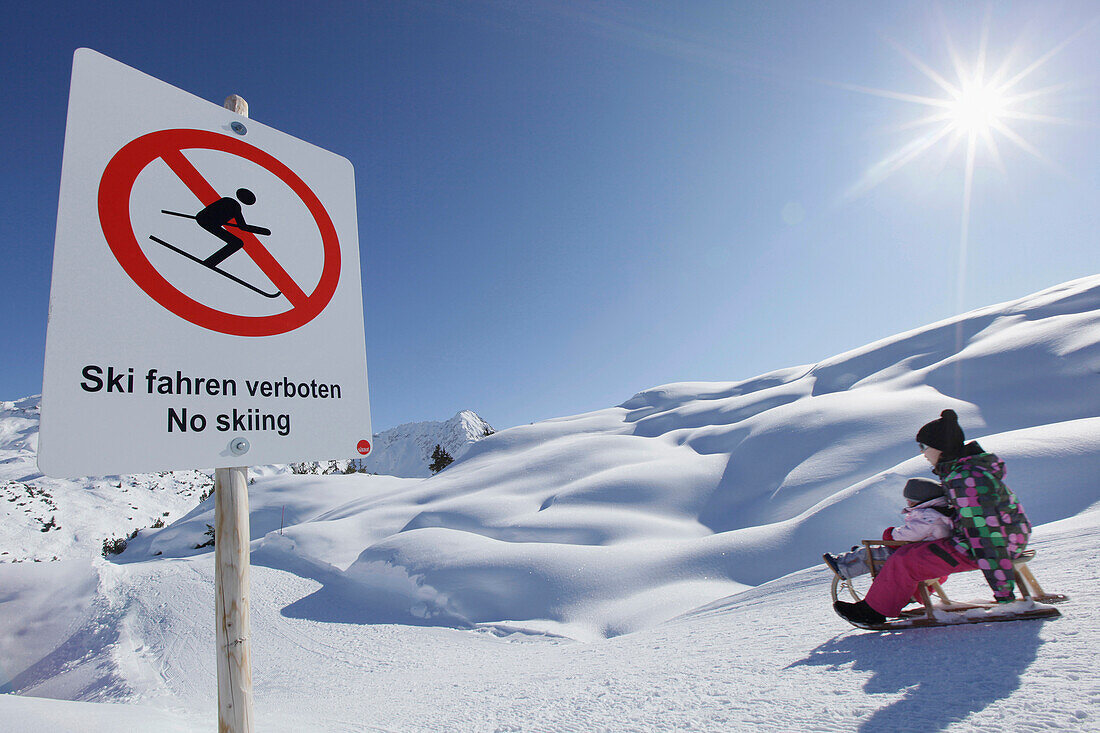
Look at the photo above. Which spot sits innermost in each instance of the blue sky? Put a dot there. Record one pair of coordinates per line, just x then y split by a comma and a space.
563, 203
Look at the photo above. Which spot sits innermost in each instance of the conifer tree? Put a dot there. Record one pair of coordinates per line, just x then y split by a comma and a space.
440, 459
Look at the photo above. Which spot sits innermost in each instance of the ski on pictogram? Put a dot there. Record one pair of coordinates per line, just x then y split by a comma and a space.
215, 268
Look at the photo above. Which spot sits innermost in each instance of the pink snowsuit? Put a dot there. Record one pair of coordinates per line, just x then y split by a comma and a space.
897, 582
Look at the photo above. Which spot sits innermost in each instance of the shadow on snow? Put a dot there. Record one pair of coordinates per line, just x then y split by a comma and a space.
946, 674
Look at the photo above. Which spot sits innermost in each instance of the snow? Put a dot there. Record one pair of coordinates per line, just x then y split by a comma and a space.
43, 519
650, 566
772, 658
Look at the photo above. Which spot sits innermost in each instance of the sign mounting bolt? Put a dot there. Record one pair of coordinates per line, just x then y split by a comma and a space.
239, 446
238, 127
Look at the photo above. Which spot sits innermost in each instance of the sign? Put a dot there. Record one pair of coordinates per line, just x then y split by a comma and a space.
206, 303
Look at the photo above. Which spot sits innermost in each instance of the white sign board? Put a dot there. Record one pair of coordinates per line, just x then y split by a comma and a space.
206, 304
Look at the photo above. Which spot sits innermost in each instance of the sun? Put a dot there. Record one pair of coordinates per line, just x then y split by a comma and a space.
978, 108
975, 106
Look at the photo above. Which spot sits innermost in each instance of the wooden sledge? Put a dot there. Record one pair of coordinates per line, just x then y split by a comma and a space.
1033, 604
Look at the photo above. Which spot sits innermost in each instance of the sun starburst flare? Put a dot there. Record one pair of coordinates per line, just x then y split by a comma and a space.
980, 108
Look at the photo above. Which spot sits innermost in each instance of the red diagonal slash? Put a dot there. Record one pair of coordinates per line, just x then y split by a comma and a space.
207, 195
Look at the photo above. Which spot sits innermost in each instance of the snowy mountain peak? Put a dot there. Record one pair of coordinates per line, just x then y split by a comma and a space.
406, 450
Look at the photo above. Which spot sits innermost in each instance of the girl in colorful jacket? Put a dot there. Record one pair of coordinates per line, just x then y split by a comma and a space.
928, 517
991, 528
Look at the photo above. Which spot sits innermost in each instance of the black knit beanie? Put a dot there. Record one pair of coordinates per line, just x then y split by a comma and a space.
944, 434
921, 490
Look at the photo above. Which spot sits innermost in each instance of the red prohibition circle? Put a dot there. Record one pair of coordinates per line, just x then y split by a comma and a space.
363, 447
116, 186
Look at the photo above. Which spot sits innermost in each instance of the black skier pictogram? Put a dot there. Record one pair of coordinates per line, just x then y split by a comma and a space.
214, 218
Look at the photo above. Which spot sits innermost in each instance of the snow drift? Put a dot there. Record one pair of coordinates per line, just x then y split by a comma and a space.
607, 522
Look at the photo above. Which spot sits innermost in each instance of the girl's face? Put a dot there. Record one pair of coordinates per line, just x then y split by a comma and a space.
930, 454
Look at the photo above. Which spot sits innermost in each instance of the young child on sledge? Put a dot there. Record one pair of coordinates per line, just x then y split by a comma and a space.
928, 517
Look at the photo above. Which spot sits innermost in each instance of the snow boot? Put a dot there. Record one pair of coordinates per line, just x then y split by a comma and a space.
859, 613
831, 561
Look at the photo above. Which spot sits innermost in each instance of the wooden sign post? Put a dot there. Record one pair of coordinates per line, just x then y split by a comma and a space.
231, 594
231, 582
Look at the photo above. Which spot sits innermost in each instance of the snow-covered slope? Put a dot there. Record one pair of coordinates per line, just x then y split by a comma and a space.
133, 645
702, 502
45, 519
604, 523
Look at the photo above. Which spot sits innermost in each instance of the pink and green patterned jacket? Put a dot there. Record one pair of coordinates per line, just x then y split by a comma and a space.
991, 526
